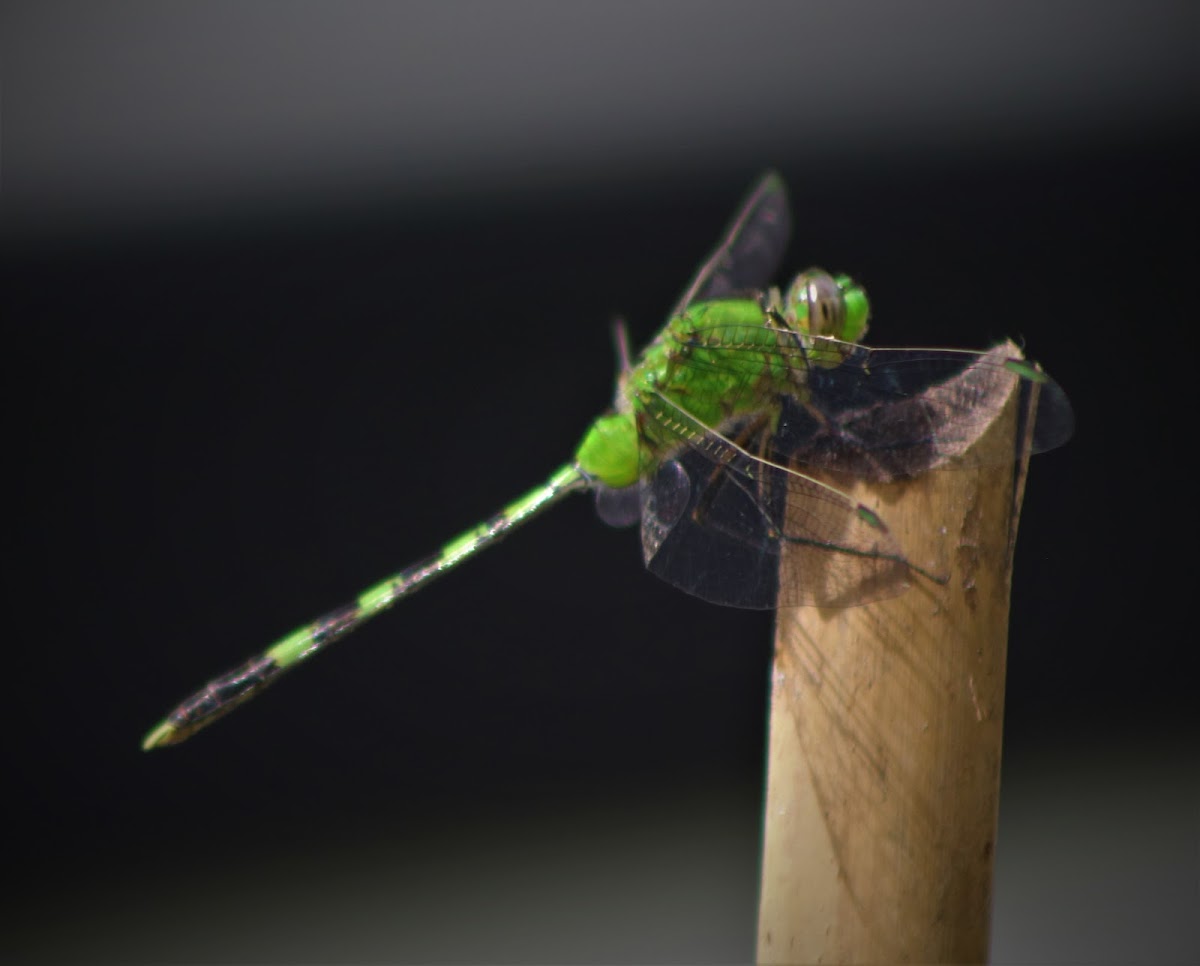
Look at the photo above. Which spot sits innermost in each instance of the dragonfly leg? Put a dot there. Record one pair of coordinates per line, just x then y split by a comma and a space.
717, 477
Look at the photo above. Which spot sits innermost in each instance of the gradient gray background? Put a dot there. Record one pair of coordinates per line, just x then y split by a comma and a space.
300, 290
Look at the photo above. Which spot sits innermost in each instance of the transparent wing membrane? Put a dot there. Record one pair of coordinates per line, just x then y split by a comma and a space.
721, 509
884, 413
716, 518
750, 250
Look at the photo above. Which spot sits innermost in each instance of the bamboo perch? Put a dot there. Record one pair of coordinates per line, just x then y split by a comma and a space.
885, 735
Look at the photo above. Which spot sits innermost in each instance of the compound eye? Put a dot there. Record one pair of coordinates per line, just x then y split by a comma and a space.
818, 297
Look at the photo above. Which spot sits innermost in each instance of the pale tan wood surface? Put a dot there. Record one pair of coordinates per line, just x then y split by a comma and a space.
885, 733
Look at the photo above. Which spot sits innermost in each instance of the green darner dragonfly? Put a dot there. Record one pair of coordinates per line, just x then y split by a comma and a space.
720, 440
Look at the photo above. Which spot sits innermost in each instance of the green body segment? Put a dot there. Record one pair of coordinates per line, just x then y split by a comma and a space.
306, 640
1029, 371
608, 452
718, 361
223, 694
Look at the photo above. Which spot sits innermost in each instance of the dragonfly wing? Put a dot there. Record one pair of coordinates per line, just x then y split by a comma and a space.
618, 507
885, 414
734, 566
1055, 418
717, 519
750, 250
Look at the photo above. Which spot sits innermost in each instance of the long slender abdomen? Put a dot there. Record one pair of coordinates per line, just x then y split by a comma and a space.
224, 693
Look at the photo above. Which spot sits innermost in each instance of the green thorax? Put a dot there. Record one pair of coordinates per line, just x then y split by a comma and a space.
717, 362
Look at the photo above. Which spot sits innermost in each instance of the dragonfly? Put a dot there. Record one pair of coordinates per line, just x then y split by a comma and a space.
722, 440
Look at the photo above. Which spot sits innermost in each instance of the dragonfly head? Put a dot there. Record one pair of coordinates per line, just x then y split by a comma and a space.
830, 305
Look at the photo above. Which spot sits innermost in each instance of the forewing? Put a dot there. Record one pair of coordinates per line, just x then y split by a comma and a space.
885, 414
750, 250
881, 413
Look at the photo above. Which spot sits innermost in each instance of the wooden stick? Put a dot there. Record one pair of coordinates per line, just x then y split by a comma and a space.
885, 734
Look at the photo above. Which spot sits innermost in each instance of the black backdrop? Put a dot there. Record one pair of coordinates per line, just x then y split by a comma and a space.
224, 429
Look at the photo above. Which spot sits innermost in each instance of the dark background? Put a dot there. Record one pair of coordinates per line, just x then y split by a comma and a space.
295, 293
